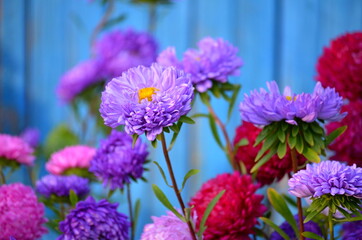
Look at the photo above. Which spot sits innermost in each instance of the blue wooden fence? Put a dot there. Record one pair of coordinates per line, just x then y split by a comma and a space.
278, 40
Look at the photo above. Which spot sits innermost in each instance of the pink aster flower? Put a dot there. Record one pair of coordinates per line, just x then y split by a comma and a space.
70, 157
21, 215
237, 211
15, 148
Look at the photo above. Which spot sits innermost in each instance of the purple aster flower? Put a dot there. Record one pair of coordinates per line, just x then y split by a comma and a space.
215, 60
31, 136
263, 108
147, 99
352, 231
287, 228
61, 185
168, 58
94, 220
120, 51
327, 177
78, 79
116, 161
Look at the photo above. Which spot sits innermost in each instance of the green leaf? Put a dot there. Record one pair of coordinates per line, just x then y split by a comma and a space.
175, 128
136, 214
308, 137
316, 128
73, 198
233, 99
317, 206
162, 173
189, 174
205, 98
166, 129
154, 143
311, 155
275, 227
242, 142
263, 160
164, 200
312, 235
280, 205
300, 144
214, 131
333, 135
174, 136
281, 135
186, 119
114, 21
268, 143
262, 135
216, 91
295, 130
207, 212
282, 150
197, 115
292, 141
134, 139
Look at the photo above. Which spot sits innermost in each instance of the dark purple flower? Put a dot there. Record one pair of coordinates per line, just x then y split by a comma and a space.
121, 50
94, 220
327, 177
117, 162
263, 108
352, 230
147, 99
31, 136
287, 228
61, 185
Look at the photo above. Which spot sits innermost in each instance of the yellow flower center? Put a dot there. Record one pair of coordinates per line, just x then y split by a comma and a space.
289, 98
146, 93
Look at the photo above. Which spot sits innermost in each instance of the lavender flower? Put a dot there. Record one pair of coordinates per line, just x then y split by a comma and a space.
263, 108
168, 58
31, 136
61, 185
116, 161
147, 99
328, 177
352, 230
94, 220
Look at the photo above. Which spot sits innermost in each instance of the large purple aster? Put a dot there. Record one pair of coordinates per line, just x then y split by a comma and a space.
147, 99
352, 230
263, 108
327, 177
94, 220
117, 162
61, 185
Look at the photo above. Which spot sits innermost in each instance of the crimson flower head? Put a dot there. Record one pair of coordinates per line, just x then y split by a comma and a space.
237, 211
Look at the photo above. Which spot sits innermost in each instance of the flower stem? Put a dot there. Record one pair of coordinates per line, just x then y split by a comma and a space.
130, 211
2, 177
330, 224
293, 154
174, 184
103, 21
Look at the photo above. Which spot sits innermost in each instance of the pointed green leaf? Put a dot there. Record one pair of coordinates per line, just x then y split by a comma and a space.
269, 142
292, 141
197, 115
73, 198
242, 142
186, 119
300, 144
282, 150
174, 128
136, 214
312, 235
333, 135
295, 130
281, 135
262, 135
216, 91
214, 131
308, 137
189, 174
205, 98
263, 160
275, 227
233, 99
166, 129
154, 143
311, 155
174, 136
162, 173
134, 139
317, 128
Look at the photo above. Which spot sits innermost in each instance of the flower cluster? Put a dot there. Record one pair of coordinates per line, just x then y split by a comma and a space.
94, 220
340, 65
352, 230
147, 99
263, 108
215, 60
70, 157
21, 215
327, 177
237, 211
16, 149
61, 185
117, 162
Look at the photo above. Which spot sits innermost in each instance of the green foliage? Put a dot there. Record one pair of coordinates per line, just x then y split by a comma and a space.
189, 174
82, 172
336, 133
312, 235
73, 197
176, 130
136, 213
162, 173
186, 119
134, 139
275, 227
215, 132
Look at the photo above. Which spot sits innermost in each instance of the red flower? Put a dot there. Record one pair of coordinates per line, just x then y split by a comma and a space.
340, 66
275, 168
348, 146
236, 213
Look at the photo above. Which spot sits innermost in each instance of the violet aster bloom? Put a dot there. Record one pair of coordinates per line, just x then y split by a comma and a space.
121, 50
166, 227
168, 58
61, 185
262, 107
116, 161
94, 220
327, 177
352, 230
215, 60
147, 99
31, 136
16, 149
77, 79
287, 228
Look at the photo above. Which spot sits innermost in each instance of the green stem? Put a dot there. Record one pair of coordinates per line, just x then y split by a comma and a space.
152, 17
103, 21
2, 177
174, 185
330, 224
130, 211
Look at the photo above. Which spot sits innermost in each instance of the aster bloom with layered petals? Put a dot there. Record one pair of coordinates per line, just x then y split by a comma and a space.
147, 99
21, 215
166, 227
287, 228
121, 50
274, 169
168, 58
117, 161
340, 65
70, 157
16, 149
94, 220
348, 146
61, 185
328, 177
31, 136
263, 108
352, 230
215, 60
237, 211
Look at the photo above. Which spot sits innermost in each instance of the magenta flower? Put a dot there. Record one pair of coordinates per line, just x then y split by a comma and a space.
70, 157
21, 215
16, 149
